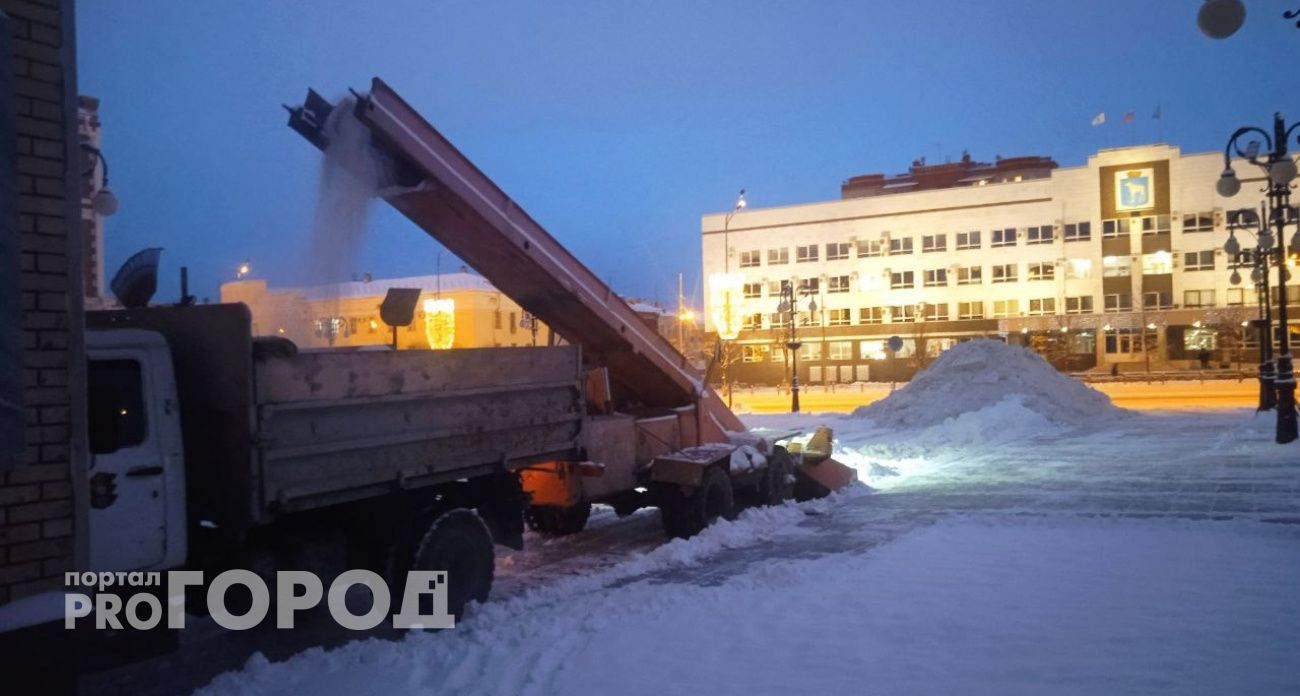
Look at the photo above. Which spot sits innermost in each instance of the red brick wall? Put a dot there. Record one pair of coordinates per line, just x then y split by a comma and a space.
38, 526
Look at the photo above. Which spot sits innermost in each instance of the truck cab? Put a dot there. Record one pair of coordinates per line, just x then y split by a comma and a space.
137, 461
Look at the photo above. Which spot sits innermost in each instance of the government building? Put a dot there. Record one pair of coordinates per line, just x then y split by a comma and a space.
1117, 264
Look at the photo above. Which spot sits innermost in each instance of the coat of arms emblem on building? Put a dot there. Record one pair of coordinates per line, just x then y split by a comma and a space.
1133, 189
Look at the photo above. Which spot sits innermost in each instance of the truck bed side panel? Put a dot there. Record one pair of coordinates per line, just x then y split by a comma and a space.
340, 426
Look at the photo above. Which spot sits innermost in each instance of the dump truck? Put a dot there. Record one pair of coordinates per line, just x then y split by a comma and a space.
213, 449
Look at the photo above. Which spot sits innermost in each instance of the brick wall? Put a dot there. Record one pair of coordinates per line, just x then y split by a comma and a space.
39, 530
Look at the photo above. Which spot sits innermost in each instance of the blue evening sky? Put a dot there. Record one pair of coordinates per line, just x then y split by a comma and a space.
617, 124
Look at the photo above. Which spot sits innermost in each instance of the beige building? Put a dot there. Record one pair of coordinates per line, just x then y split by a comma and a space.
1118, 261
347, 314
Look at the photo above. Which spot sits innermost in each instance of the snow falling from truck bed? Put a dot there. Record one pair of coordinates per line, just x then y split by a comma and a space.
349, 180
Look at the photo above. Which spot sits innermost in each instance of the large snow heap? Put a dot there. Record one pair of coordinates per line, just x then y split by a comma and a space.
981, 374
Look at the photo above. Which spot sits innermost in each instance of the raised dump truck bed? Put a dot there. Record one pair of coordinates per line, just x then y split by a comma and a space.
270, 431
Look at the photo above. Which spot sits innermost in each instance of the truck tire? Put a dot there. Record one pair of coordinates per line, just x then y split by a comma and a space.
554, 521
459, 542
778, 483
686, 514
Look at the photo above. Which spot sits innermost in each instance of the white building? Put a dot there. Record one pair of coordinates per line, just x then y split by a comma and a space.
1118, 261
92, 223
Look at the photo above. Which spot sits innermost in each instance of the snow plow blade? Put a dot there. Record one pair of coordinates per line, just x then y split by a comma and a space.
818, 475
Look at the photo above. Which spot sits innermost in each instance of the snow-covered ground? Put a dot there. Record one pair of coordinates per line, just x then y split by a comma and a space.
1017, 545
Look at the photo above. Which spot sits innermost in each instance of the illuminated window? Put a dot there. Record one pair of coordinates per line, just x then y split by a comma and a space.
1116, 266
753, 290
1078, 269
1157, 263
839, 317
871, 315
1006, 308
1198, 298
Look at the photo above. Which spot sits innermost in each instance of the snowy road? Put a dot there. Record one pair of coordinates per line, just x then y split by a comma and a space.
1156, 553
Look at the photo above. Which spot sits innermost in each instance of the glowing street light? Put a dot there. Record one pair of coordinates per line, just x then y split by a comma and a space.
243, 270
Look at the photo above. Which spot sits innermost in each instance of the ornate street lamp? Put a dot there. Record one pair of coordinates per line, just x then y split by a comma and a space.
101, 198
1248, 221
1280, 168
1219, 19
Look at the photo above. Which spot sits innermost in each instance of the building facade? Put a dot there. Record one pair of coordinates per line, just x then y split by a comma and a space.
42, 367
472, 314
1115, 264
90, 136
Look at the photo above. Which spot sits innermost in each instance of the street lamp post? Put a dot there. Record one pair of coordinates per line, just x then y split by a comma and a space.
1280, 169
789, 308
724, 287
1247, 221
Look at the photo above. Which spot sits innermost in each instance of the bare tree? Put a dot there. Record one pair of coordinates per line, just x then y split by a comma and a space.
1231, 329
920, 338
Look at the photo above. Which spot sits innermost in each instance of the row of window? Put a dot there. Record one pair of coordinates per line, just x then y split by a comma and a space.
1073, 269
998, 238
980, 309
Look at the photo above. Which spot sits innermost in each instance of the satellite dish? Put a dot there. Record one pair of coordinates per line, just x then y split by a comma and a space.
136, 281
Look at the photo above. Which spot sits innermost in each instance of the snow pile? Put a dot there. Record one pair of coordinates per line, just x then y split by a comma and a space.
996, 379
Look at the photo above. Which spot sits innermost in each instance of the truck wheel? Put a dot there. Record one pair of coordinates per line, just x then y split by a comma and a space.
459, 543
778, 484
685, 515
553, 520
